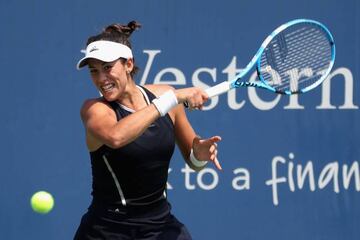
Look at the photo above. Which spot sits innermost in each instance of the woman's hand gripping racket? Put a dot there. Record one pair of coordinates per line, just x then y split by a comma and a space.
294, 58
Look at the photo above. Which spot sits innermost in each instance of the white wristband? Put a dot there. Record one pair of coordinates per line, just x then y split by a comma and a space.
196, 162
165, 102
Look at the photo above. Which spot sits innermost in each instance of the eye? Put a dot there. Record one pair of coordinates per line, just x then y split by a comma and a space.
107, 67
93, 71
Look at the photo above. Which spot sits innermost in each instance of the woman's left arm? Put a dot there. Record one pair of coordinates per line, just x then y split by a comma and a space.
191, 145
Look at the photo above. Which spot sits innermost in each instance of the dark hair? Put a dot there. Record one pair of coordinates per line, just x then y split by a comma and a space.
118, 33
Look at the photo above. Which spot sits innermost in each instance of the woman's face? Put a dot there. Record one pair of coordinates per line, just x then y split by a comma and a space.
110, 78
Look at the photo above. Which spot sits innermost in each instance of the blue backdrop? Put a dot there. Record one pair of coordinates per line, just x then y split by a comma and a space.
291, 165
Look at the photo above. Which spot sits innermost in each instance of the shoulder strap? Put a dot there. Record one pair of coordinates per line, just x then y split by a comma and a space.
120, 112
150, 95
117, 109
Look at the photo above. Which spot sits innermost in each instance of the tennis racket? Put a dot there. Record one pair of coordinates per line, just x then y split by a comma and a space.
295, 58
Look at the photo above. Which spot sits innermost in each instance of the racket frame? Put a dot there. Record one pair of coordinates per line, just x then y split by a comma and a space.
237, 81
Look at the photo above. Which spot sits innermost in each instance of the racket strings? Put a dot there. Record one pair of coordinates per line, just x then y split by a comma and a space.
296, 58
318, 69
305, 59
317, 73
313, 47
315, 51
305, 41
306, 52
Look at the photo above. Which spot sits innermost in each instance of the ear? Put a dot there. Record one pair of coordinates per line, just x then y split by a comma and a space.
129, 65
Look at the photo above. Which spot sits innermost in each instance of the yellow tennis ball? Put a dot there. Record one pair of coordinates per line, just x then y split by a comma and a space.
42, 202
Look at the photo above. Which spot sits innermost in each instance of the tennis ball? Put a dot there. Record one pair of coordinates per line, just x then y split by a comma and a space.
42, 202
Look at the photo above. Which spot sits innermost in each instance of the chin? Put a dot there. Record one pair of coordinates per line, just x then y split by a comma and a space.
110, 97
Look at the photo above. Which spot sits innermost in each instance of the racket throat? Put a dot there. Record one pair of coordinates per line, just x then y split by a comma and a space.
238, 83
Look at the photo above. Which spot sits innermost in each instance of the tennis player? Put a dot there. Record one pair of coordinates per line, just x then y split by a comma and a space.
131, 133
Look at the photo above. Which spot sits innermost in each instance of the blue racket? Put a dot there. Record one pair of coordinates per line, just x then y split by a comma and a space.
295, 58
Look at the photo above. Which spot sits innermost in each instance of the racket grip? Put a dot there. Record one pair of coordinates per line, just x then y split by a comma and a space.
218, 89
214, 91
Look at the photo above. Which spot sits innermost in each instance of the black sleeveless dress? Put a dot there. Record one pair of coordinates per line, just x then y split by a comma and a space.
129, 186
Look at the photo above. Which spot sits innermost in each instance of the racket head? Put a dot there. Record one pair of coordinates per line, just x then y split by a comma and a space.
295, 58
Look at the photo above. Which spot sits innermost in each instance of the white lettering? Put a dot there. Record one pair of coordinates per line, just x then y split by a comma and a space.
301, 175
152, 54
178, 78
347, 174
187, 171
348, 92
330, 171
290, 173
214, 182
244, 177
274, 181
199, 178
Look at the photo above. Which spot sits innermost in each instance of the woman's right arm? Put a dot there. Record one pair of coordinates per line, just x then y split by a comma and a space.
102, 126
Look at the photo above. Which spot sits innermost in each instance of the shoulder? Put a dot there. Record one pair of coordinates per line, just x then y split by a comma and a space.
175, 113
94, 106
158, 89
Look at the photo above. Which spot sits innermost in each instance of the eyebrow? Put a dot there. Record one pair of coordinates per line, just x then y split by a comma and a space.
104, 63
111, 63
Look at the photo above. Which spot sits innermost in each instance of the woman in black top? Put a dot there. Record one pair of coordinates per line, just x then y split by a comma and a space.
131, 133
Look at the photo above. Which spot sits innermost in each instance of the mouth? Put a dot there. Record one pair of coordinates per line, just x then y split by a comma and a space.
107, 87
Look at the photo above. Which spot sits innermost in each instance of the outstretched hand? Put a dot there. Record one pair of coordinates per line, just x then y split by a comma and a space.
206, 149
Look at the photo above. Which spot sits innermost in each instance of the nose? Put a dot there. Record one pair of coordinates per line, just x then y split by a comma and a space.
102, 76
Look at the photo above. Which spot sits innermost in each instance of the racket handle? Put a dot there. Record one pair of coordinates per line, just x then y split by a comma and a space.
215, 91
218, 89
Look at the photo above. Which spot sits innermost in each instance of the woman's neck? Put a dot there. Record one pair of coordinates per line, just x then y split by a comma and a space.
132, 97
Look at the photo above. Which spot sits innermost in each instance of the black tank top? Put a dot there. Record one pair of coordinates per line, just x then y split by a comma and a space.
135, 174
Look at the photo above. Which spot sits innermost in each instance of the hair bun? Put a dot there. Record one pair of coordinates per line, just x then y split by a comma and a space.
124, 29
134, 25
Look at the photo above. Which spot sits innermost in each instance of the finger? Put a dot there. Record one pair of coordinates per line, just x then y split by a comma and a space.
215, 139
211, 141
213, 155
217, 164
195, 106
212, 149
204, 95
